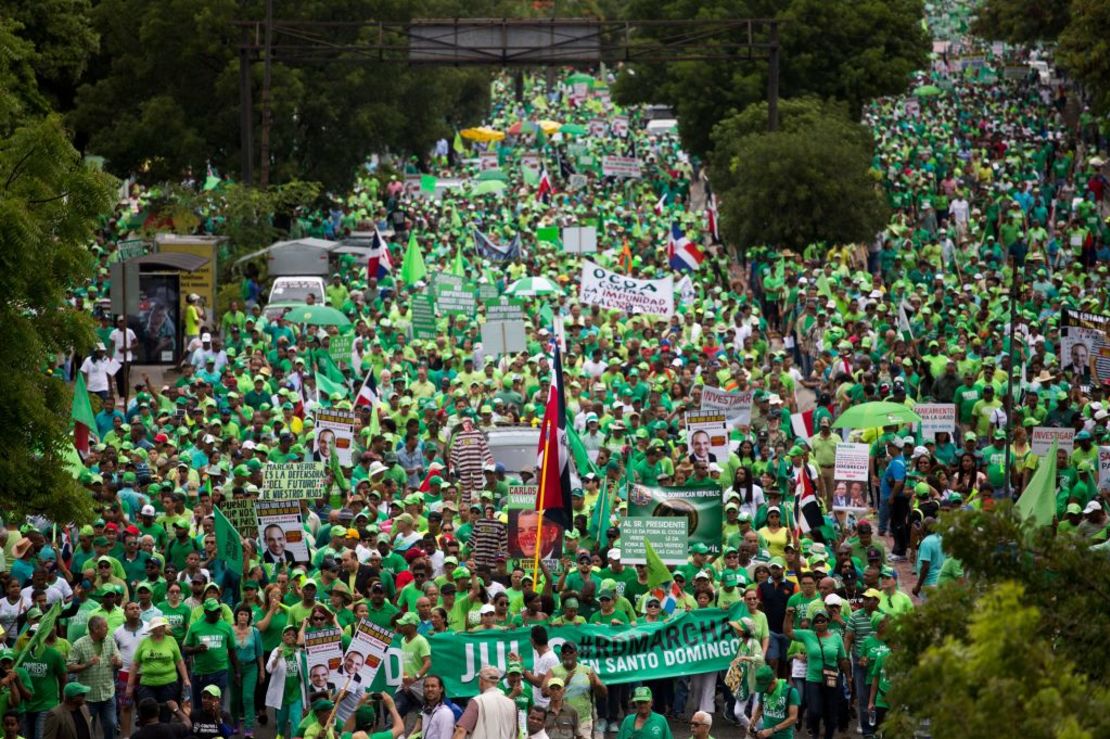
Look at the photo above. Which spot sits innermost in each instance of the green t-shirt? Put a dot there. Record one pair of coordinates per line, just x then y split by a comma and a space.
44, 669
178, 617
655, 727
578, 690
776, 707
219, 638
413, 652
271, 637
157, 661
292, 675
821, 653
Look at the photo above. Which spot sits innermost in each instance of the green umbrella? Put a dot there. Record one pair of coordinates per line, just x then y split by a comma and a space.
574, 129
532, 286
875, 414
489, 186
926, 91
579, 78
316, 315
492, 174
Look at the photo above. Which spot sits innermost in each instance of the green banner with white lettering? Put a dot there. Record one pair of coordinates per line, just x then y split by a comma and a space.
688, 643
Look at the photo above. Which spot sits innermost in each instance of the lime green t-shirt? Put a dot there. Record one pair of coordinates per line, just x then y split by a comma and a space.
157, 661
219, 638
821, 653
45, 669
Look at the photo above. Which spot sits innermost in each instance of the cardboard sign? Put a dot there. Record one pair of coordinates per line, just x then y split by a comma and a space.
292, 481
936, 417
1043, 436
599, 286
614, 166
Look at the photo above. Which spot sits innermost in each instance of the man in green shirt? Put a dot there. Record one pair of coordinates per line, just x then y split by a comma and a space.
776, 710
211, 642
644, 723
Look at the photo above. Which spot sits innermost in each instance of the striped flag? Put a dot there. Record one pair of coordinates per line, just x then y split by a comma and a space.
682, 254
368, 392
807, 511
378, 264
661, 205
553, 458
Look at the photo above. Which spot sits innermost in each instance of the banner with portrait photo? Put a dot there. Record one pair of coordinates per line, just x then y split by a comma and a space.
323, 650
335, 435
1085, 348
281, 530
700, 506
737, 406
706, 437
364, 655
850, 475
524, 527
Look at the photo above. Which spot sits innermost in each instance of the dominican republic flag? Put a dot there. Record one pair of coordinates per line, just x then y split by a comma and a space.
544, 190
681, 252
807, 511
711, 217
379, 264
802, 424
368, 393
495, 252
661, 204
553, 454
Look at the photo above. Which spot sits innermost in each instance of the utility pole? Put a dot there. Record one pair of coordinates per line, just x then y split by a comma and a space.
264, 179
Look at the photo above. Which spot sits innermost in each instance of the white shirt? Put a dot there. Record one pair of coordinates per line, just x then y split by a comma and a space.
119, 344
540, 667
128, 641
97, 372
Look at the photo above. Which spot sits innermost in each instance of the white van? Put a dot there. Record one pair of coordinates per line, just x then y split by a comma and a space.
288, 291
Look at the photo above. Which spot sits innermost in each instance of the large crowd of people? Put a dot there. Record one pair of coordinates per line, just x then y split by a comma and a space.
998, 231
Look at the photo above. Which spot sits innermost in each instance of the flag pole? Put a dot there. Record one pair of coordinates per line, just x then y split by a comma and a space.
543, 495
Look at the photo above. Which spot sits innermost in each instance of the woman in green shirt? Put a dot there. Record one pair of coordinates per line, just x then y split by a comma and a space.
158, 667
826, 660
176, 612
248, 645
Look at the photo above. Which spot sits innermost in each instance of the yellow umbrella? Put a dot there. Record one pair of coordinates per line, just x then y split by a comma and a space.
482, 133
549, 127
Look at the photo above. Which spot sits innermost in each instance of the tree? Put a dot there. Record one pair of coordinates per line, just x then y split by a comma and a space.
163, 96
808, 182
1020, 637
49, 204
853, 51
1022, 21
1084, 49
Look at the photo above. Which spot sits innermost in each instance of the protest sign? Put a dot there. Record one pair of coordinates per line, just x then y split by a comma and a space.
456, 301
577, 181
280, 527
1040, 442
548, 235
323, 652
690, 643
580, 240
686, 292
524, 527
423, 315
340, 346
1103, 467
364, 656
292, 481
666, 534
1085, 347
737, 407
597, 127
240, 513
701, 507
936, 417
599, 286
615, 166
619, 126
530, 162
487, 160
706, 436
487, 291
504, 332
851, 475
335, 435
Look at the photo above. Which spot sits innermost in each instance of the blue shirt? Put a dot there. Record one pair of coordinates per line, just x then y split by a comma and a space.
894, 472
929, 550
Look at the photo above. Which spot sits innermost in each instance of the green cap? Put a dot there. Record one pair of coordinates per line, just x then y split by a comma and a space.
211, 604
641, 694
764, 678
72, 690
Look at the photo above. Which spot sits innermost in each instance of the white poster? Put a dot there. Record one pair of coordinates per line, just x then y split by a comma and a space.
597, 127
619, 126
487, 160
852, 462
686, 293
599, 286
706, 437
936, 417
580, 240
1043, 436
364, 655
614, 166
1103, 467
737, 407
335, 435
323, 652
281, 530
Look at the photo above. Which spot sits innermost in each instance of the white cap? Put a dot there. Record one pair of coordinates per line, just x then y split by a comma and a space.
703, 575
832, 599
148, 510
1092, 507
205, 337
487, 608
376, 468
614, 553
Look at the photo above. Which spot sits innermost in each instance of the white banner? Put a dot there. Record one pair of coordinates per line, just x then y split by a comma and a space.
487, 160
619, 126
335, 434
936, 417
737, 407
614, 166
1103, 467
1043, 436
597, 127
323, 652
852, 462
706, 437
365, 653
599, 286
281, 529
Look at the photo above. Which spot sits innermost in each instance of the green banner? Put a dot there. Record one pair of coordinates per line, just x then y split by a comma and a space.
701, 506
667, 535
228, 543
339, 348
423, 315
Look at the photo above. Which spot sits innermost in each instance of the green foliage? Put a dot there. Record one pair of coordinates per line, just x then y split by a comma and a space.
1084, 49
848, 49
977, 650
810, 181
1002, 676
49, 203
1022, 21
167, 100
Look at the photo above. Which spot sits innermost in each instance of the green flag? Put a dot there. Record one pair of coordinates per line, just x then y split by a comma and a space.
228, 543
84, 421
458, 145
657, 572
327, 386
325, 365
46, 626
599, 521
412, 268
428, 183
530, 176
1038, 503
458, 268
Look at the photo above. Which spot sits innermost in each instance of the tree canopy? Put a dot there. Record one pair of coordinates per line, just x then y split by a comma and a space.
808, 182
